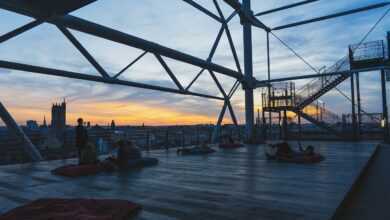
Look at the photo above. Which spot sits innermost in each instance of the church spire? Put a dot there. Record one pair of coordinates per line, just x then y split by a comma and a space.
44, 121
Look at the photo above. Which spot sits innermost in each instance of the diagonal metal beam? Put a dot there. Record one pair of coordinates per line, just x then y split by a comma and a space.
83, 51
227, 99
36, 10
218, 84
19, 30
286, 7
130, 64
194, 80
229, 36
219, 122
213, 49
88, 27
228, 19
127, 39
233, 89
211, 54
232, 114
204, 10
14, 128
234, 51
339, 14
74, 75
169, 71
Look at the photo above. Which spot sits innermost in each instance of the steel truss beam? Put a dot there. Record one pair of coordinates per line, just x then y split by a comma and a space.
11, 124
285, 7
344, 13
44, 8
224, 28
229, 36
267, 82
57, 15
19, 30
84, 52
227, 99
169, 71
246, 15
129, 40
130, 64
74, 75
107, 33
204, 10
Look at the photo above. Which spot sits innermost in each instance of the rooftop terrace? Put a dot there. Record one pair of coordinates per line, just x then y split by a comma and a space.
236, 184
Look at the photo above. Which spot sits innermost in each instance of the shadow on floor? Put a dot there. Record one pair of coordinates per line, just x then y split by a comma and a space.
371, 197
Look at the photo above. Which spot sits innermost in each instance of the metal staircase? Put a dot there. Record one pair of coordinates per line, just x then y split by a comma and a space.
283, 97
329, 85
316, 88
319, 123
302, 102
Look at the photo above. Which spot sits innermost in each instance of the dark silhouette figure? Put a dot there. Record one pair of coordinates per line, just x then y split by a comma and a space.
81, 137
127, 151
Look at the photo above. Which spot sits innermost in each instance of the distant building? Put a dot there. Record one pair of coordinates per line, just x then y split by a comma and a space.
32, 125
44, 122
58, 120
113, 126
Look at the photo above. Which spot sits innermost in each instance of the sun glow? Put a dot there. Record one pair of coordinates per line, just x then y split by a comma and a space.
123, 114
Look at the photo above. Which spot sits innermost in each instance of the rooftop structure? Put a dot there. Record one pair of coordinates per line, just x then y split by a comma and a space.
45, 11
237, 184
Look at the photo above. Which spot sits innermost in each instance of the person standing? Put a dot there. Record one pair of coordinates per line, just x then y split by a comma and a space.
81, 138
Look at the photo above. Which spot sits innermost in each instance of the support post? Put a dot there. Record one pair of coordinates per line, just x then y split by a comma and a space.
359, 108
249, 112
384, 105
285, 125
354, 124
13, 127
264, 125
299, 128
280, 126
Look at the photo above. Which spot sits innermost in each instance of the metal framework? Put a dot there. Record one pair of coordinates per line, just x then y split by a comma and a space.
57, 13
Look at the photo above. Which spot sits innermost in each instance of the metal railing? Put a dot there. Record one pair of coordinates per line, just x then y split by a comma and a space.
317, 84
373, 50
318, 111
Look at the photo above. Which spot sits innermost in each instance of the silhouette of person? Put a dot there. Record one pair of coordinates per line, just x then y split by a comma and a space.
81, 137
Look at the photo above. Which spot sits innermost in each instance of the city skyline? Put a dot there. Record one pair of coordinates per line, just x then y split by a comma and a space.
100, 103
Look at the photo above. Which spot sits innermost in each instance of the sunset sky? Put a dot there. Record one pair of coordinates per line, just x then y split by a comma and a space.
175, 24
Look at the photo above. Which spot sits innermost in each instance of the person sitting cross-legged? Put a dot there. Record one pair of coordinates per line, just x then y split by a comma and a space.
88, 154
127, 152
124, 153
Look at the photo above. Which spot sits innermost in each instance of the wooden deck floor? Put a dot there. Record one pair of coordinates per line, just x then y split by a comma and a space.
230, 184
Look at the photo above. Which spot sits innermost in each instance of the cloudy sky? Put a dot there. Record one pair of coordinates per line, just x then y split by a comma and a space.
175, 24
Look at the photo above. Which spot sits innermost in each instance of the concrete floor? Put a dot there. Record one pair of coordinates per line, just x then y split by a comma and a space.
371, 197
229, 184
